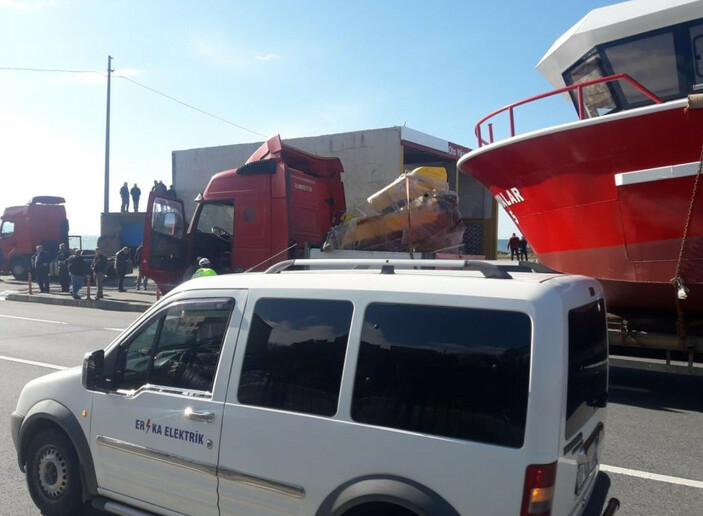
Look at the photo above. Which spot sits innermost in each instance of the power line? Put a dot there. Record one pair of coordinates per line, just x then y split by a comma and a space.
189, 105
16, 68
22, 69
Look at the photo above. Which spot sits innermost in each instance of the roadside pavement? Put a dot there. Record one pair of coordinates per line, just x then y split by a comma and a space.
131, 301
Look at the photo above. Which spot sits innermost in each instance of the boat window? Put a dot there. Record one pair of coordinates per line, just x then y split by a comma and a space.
697, 44
597, 99
651, 61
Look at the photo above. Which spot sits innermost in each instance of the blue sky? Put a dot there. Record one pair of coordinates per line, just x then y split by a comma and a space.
295, 68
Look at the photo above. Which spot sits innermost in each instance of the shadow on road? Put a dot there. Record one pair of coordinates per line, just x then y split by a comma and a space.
599, 498
656, 390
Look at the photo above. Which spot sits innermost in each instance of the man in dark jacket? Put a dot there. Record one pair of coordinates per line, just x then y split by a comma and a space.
136, 194
160, 188
99, 267
121, 267
61, 256
141, 279
40, 264
78, 270
124, 194
514, 246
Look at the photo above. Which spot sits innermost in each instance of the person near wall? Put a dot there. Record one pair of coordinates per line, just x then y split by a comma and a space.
61, 256
77, 270
40, 264
124, 194
136, 193
140, 275
99, 267
121, 267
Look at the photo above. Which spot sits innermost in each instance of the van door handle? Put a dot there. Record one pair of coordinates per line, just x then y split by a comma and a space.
199, 415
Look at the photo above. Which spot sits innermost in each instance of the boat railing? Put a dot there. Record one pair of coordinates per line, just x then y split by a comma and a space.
580, 103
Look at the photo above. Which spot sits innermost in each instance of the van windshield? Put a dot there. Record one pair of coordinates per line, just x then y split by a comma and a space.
588, 373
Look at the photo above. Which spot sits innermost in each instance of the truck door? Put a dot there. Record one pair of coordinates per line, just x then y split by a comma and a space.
165, 248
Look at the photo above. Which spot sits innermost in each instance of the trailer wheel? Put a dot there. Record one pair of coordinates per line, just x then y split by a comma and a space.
19, 267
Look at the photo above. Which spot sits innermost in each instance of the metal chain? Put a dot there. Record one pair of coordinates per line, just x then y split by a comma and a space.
677, 281
688, 218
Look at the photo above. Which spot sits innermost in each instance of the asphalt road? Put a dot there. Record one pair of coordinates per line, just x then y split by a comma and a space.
652, 460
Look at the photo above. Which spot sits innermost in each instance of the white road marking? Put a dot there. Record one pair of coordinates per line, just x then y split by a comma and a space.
114, 329
30, 319
626, 388
32, 362
652, 476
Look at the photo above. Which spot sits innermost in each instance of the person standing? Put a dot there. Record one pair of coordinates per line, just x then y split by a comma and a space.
40, 264
121, 267
124, 194
136, 194
61, 256
140, 274
161, 189
514, 246
523, 247
171, 192
77, 270
99, 267
204, 269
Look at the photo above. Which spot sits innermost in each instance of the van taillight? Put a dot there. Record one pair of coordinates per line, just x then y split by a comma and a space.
539, 490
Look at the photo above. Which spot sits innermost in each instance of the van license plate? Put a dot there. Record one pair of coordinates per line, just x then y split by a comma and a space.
584, 471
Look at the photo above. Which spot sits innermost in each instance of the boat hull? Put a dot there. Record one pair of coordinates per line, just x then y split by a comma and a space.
609, 198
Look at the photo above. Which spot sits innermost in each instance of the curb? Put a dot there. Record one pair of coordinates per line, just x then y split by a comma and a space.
118, 306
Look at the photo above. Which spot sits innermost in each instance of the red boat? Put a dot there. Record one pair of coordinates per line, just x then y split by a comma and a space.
617, 194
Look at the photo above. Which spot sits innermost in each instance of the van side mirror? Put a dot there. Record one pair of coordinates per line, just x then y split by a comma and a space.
94, 370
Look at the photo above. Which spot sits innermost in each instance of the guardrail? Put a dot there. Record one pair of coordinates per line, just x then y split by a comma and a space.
579, 92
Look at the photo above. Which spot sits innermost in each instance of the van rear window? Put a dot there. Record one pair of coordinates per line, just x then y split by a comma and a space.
448, 371
588, 364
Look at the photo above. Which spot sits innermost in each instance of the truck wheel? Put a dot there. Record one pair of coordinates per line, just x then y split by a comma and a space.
19, 267
52, 473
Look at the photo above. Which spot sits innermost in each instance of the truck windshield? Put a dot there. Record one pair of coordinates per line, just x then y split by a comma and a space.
214, 233
216, 215
7, 228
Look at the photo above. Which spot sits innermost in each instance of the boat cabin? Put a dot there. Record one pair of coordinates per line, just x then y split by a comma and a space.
658, 44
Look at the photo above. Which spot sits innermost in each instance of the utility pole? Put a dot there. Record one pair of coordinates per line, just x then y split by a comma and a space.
106, 208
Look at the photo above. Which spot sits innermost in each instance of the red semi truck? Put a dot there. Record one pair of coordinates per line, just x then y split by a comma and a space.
279, 204
40, 222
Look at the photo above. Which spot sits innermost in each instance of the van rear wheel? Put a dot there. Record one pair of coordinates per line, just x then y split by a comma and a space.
52, 473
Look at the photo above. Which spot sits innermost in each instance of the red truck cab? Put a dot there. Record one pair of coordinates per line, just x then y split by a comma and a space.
40, 222
281, 202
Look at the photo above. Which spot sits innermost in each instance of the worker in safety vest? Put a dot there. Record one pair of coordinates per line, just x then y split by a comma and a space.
204, 269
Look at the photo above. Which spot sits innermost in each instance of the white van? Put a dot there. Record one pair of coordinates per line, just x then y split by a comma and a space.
382, 389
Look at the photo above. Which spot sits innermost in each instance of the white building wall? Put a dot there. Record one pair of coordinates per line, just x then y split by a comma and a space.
371, 160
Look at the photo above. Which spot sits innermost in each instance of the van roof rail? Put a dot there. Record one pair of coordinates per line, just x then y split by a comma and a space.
489, 270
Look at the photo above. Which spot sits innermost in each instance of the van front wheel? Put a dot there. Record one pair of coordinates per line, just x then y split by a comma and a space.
52, 473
